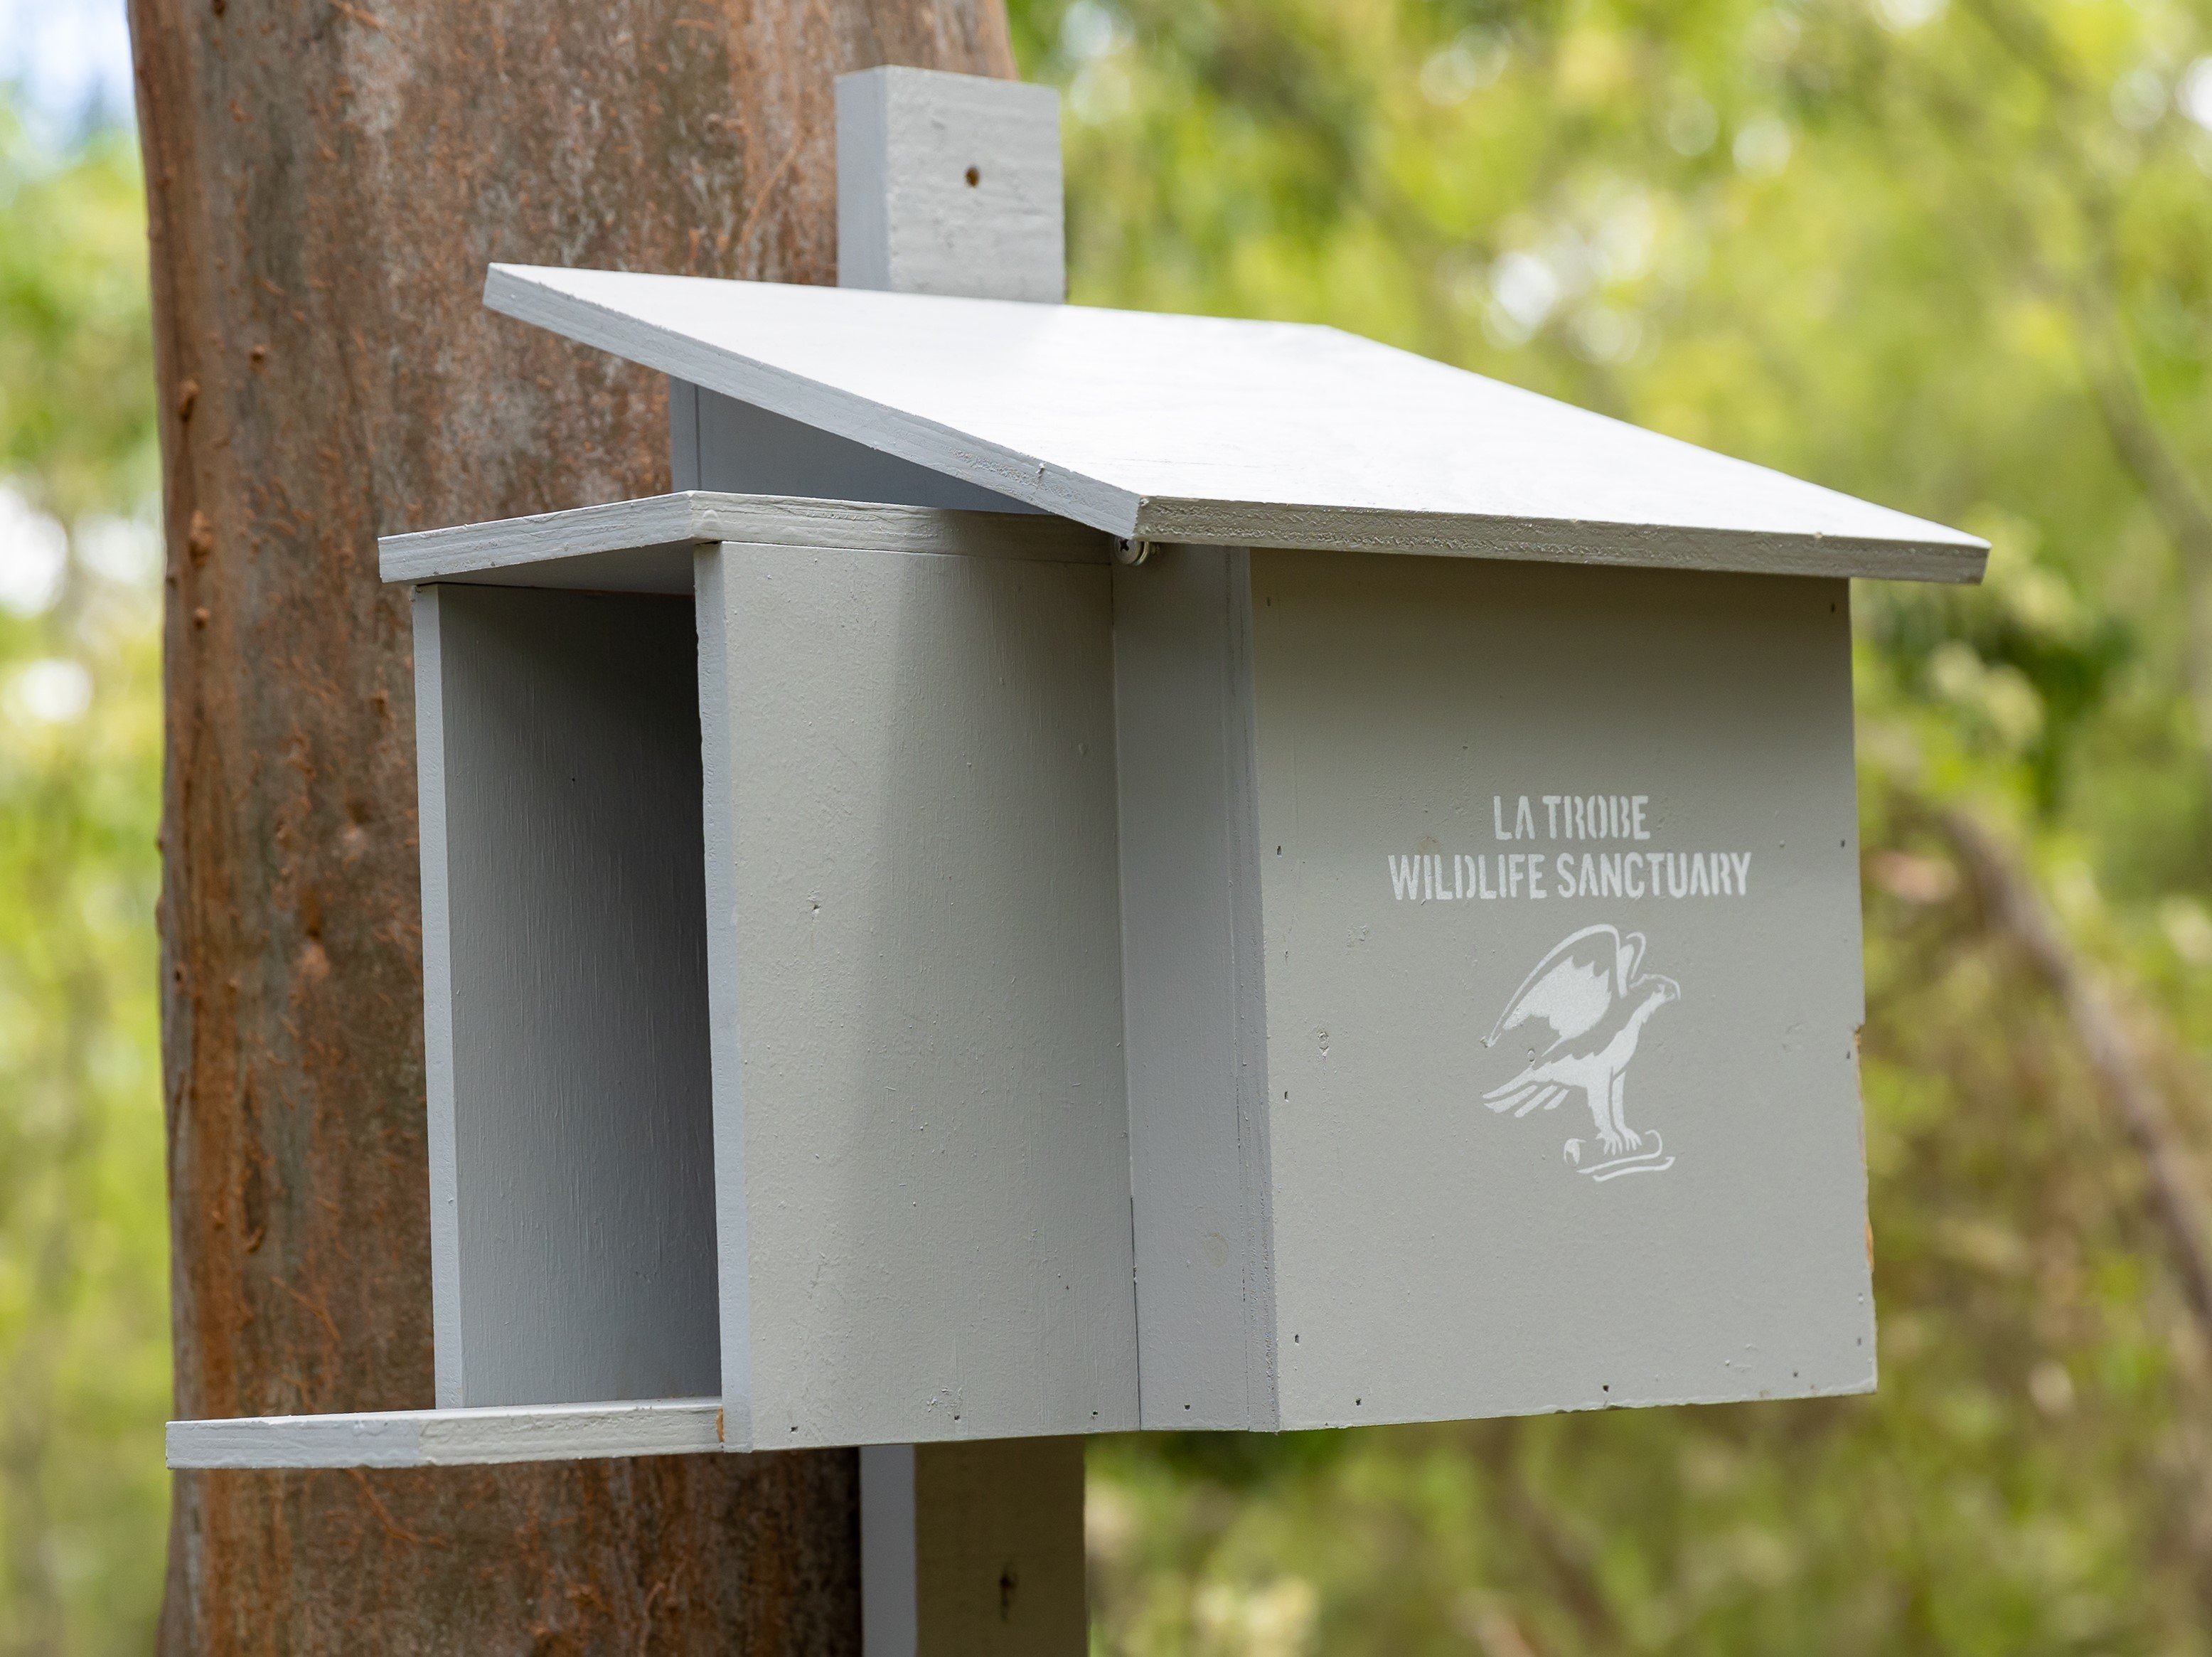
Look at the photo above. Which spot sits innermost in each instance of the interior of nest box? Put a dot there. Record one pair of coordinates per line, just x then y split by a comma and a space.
565, 944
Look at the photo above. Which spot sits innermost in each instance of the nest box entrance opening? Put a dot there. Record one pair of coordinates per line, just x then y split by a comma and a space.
571, 1096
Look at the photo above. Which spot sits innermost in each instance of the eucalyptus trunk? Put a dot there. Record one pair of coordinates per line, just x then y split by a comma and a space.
326, 182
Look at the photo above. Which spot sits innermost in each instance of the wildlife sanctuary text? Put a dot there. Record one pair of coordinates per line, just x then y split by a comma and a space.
1426, 877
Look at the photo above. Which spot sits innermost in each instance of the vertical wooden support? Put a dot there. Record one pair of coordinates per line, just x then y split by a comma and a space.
947, 184
951, 183
972, 1549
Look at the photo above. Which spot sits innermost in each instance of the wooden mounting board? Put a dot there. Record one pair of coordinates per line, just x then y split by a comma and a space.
1185, 428
451, 1438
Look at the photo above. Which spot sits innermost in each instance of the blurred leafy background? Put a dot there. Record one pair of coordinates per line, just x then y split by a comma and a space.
1954, 255
84, 1380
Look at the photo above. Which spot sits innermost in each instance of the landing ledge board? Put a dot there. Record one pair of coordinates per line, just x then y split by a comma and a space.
453, 1438
645, 545
1160, 428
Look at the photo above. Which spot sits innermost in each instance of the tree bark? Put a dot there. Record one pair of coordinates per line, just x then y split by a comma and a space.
326, 181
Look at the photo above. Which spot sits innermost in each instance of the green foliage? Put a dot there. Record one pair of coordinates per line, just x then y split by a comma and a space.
83, 1306
1954, 258
76, 365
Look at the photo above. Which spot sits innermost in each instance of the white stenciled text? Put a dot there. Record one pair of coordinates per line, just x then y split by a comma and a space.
1571, 817
1459, 877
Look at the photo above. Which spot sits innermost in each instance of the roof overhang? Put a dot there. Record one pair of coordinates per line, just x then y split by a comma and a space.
1162, 427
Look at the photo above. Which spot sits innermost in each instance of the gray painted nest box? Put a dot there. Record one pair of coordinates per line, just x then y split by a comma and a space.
1092, 870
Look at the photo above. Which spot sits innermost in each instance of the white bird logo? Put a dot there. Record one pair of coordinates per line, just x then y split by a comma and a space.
1593, 993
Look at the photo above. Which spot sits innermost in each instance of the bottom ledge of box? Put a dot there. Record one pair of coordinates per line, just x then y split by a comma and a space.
451, 1438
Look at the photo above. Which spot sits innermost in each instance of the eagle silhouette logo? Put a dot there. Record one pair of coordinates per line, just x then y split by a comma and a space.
1592, 994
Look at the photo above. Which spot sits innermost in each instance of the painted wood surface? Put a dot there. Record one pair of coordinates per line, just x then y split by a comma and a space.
948, 184
1207, 429
908, 221
921, 1130
1192, 980
441, 1135
739, 448
451, 1438
945, 184
891, 1607
1558, 903
647, 545
565, 941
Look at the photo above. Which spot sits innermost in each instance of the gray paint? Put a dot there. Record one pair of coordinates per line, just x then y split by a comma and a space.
720, 719
948, 184
1162, 427
645, 545
451, 1438
920, 1117
1192, 976
682, 435
890, 1616
907, 221
925, 1209
570, 1103
925, 1222
746, 449
1432, 1259
437, 999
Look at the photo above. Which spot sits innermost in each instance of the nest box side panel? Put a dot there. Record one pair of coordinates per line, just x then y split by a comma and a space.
1564, 983
1192, 979
928, 1108
571, 1178
721, 444
437, 1000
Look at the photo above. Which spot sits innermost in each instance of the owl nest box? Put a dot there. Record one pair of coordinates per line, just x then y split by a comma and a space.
1094, 869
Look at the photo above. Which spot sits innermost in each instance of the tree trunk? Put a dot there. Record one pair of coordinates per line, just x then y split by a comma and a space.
326, 181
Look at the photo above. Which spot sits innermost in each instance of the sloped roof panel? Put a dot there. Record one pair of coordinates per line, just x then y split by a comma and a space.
1167, 428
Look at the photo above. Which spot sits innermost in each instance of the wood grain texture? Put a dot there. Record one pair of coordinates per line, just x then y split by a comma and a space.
1192, 982
1211, 429
581, 1254
451, 1438
663, 530
903, 223
950, 184
998, 1549
1331, 1229
973, 1548
920, 1136
325, 186
908, 143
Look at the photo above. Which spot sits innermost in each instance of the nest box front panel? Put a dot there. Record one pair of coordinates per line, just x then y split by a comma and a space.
1563, 983
920, 1112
